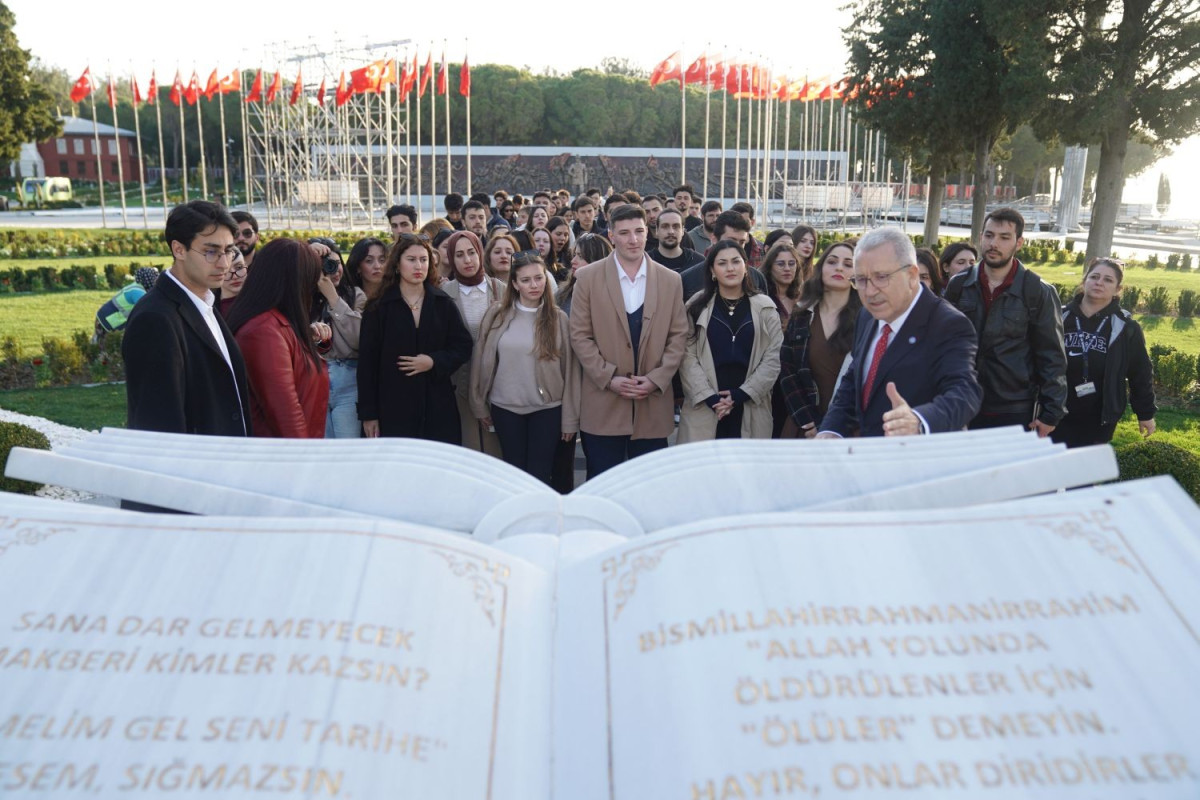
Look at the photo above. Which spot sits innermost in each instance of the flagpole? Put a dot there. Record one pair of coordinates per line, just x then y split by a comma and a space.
724, 116
306, 137
246, 177
737, 137
467, 62
162, 153
285, 199
787, 141
707, 115
137, 132
802, 167
117, 147
387, 120
446, 78
682, 120
99, 165
224, 147
182, 138
433, 144
370, 158
420, 192
328, 164
203, 162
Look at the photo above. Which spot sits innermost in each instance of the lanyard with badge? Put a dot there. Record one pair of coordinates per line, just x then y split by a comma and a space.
1087, 387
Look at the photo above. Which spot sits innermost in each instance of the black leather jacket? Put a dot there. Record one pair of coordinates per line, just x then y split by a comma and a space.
1021, 359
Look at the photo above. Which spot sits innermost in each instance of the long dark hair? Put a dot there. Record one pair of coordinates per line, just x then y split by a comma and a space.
701, 299
358, 254
793, 289
391, 274
929, 260
814, 290
798, 234
591, 247
284, 277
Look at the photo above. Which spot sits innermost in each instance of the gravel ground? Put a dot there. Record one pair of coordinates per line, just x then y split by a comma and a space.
59, 436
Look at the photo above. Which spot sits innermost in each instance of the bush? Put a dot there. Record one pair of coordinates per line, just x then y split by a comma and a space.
1173, 261
15, 372
1079, 259
1065, 293
1070, 246
14, 434
1188, 300
1174, 372
1061, 256
64, 361
1158, 301
1186, 261
1130, 297
1149, 458
1152, 262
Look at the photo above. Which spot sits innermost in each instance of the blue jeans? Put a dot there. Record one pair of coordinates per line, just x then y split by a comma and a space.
342, 420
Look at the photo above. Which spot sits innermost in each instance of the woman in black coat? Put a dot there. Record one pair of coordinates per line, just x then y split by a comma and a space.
412, 341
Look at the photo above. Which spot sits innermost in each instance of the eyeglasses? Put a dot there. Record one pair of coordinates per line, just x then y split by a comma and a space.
248, 233
1112, 262
878, 281
213, 255
235, 271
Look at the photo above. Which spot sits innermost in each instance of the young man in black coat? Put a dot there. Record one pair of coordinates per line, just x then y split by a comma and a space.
183, 370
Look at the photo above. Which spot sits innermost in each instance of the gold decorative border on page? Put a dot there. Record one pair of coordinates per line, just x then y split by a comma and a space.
484, 576
1091, 528
15, 531
625, 572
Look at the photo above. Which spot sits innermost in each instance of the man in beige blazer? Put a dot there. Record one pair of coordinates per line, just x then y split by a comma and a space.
629, 332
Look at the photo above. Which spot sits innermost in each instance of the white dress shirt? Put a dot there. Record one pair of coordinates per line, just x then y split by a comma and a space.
633, 290
205, 306
897, 325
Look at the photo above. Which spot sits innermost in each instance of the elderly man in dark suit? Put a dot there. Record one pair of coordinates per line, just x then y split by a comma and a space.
183, 370
914, 354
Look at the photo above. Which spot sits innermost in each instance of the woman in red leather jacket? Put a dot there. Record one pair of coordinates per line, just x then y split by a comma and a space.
289, 387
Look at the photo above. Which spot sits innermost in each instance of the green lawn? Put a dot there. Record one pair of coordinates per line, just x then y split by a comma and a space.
1072, 275
87, 407
30, 317
1174, 427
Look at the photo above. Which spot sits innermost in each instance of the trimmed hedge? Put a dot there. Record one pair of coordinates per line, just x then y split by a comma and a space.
14, 434
1151, 457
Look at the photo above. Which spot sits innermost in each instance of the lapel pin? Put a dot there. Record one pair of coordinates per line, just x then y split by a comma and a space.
912, 340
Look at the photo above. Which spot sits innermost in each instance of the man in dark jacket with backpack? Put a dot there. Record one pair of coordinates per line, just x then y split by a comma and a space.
1021, 362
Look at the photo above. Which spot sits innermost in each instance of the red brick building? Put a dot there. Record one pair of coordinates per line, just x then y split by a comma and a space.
73, 154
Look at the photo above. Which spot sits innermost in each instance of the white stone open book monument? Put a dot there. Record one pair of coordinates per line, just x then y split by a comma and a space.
399, 619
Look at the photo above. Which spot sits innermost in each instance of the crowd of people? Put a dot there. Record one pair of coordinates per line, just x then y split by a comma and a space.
511, 327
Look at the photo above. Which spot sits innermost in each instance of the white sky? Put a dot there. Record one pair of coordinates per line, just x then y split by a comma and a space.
797, 37
149, 33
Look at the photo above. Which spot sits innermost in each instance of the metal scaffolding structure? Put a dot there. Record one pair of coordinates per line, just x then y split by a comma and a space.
316, 165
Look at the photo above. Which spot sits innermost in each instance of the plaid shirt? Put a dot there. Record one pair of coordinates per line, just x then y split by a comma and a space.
795, 378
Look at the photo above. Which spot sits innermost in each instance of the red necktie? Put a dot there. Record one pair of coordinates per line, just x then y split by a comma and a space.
876, 357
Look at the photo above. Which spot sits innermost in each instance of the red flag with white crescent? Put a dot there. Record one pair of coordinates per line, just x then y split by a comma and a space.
82, 87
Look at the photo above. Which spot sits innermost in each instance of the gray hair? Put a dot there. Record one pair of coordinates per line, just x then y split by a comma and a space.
892, 236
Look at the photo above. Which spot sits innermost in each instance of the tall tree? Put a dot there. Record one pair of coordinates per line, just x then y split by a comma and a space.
891, 70
1123, 69
948, 77
27, 111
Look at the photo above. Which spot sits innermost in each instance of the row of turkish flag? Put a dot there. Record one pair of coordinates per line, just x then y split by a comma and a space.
746, 80
371, 79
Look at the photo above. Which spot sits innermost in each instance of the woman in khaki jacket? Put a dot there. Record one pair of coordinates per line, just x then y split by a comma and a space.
524, 378
732, 357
